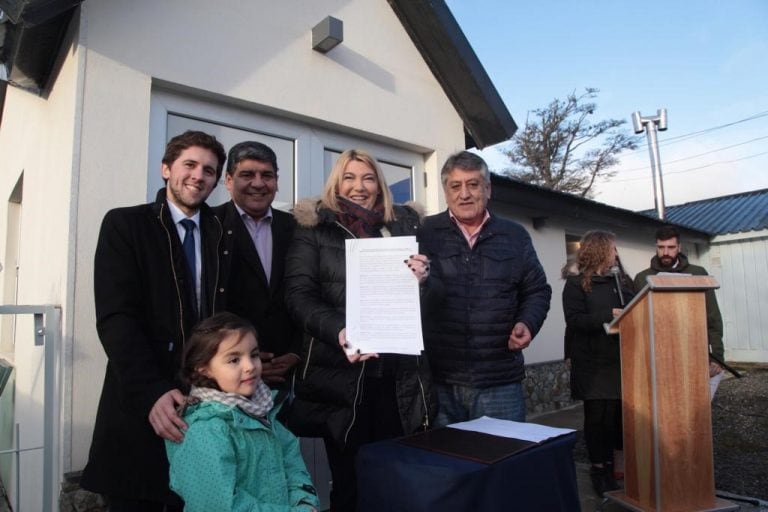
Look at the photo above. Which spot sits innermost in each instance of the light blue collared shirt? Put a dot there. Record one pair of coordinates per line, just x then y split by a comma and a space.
177, 215
261, 234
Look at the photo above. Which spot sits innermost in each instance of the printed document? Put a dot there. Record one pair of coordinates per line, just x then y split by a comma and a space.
383, 313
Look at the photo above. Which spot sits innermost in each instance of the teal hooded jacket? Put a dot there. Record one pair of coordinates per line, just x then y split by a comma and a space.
229, 461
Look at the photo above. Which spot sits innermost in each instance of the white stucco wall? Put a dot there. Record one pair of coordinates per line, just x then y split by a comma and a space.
549, 243
375, 81
112, 172
260, 52
549, 240
38, 139
254, 54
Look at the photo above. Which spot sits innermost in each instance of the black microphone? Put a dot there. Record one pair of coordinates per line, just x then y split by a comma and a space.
615, 271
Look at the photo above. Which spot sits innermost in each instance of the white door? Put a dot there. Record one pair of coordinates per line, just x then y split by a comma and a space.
305, 152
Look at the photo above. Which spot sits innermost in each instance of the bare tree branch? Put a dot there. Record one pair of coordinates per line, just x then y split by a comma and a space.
560, 148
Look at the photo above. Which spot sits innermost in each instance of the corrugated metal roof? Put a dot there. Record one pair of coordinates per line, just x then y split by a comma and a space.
737, 213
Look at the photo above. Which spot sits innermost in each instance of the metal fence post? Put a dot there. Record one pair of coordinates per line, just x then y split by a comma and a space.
47, 333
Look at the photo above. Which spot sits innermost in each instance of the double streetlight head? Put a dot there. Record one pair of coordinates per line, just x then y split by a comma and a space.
660, 120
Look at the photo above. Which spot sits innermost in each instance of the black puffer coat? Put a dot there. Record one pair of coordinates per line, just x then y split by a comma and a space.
595, 363
327, 385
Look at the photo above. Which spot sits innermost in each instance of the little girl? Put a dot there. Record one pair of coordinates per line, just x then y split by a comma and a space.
235, 455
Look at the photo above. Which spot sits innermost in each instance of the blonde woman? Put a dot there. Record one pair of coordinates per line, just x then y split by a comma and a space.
349, 400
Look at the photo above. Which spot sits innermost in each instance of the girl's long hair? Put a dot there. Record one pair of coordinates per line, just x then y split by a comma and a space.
203, 344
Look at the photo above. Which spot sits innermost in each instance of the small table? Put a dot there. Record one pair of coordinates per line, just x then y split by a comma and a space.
395, 477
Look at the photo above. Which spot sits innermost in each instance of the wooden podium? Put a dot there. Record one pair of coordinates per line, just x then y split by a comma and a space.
665, 398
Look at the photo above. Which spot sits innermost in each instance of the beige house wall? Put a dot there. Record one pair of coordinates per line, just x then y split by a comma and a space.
39, 139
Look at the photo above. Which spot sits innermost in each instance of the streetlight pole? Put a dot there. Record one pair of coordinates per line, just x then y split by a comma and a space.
650, 125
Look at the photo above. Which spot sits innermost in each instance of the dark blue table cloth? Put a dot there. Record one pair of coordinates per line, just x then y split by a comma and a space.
394, 477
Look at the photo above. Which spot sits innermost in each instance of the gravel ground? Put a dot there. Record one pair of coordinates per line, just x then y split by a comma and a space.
740, 430
740, 434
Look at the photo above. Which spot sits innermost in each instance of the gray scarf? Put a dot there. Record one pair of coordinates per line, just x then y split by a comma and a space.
257, 406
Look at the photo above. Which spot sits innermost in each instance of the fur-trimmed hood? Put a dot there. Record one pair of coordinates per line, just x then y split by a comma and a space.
306, 212
570, 269
309, 212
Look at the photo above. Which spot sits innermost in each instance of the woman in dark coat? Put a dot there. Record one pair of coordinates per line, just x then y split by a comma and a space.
354, 399
595, 292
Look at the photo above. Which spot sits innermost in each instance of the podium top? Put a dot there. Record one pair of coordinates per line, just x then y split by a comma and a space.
680, 282
665, 282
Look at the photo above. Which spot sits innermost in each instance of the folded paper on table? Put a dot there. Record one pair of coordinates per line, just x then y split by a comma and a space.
515, 429
486, 440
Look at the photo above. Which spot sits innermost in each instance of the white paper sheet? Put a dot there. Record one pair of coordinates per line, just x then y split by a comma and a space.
516, 430
383, 312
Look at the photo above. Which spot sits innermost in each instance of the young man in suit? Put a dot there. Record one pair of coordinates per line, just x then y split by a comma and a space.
156, 274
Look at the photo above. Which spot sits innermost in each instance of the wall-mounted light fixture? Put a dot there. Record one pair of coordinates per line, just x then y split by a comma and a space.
327, 34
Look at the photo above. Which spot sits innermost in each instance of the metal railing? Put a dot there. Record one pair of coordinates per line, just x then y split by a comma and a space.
47, 334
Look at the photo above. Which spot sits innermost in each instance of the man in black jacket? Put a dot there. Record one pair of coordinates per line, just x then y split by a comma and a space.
155, 276
256, 240
496, 299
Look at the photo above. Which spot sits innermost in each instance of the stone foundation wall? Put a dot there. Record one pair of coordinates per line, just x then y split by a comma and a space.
75, 499
547, 387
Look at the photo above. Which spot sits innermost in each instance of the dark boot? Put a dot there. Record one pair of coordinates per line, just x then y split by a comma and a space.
599, 483
610, 477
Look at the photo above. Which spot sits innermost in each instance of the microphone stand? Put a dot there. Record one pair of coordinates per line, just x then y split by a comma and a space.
615, 271
722, 363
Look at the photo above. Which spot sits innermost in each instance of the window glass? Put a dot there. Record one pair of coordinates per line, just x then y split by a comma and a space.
572, 244
399, 177
228, 136
305, 152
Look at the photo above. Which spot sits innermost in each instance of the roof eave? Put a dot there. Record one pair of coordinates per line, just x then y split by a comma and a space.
441, 42
535, 198
34, 32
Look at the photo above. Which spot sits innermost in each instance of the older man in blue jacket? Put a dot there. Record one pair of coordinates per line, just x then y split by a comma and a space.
496, 299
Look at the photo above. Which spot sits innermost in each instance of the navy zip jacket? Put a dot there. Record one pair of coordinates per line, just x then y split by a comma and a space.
488, 289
